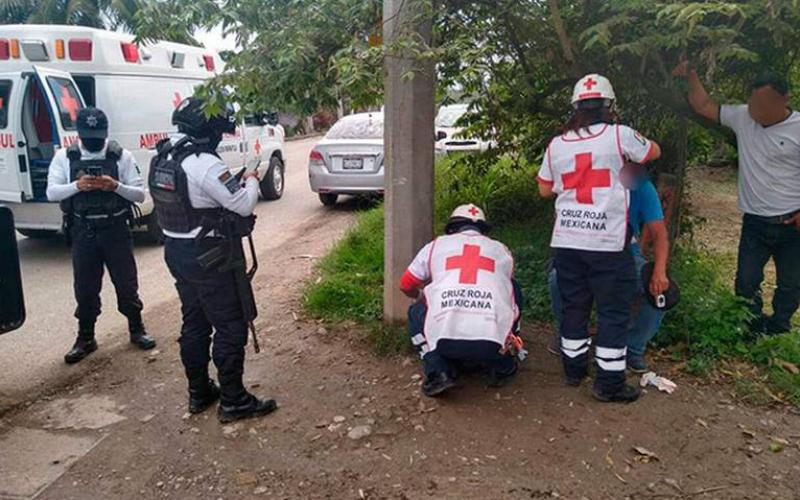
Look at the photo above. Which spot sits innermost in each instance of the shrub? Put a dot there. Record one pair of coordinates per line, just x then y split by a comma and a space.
780, 355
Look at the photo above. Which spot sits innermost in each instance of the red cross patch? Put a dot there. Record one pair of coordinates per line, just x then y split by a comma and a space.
470, 262
585, 179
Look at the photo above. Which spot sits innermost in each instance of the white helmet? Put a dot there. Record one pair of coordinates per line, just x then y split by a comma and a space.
592, 86
470, 211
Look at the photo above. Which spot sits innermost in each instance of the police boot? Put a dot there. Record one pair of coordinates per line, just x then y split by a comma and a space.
139, 336
203, 392
625, 394
235, 402
84, 345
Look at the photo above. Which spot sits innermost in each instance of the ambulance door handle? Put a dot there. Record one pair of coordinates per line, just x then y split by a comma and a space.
20, 144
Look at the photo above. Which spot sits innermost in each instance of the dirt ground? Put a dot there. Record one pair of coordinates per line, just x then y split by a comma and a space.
354, 426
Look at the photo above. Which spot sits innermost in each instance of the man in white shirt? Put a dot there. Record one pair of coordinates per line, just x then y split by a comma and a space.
97, 182
768, 141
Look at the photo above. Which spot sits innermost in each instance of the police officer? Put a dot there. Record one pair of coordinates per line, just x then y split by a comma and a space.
591, 239
468, 313
97, 183
194, 192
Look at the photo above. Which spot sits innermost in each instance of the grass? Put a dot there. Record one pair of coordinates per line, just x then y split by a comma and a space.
707, 330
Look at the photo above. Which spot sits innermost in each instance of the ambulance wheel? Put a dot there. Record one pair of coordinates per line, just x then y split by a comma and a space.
328, 199
152, 233
38, 234
271, 185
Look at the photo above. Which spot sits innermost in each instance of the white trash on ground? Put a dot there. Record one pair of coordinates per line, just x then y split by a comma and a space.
661, 383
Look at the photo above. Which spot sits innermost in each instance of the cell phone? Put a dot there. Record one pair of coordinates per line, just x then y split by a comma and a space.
95, 171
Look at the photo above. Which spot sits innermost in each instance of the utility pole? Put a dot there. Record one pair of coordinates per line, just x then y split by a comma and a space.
408, 147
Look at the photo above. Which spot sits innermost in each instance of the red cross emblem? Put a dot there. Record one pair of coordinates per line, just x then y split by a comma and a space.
178, 100
70, 103
589, 83
470, 263
584, 179
257, 147
474, 211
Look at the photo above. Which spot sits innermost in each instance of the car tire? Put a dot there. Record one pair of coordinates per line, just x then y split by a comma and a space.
328, 199
38, 234
271, 186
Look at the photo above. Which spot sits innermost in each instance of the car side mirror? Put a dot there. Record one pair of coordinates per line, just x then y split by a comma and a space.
12, 302
441, 135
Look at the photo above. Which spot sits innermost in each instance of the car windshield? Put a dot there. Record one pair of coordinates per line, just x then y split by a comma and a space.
360, 127
449, 115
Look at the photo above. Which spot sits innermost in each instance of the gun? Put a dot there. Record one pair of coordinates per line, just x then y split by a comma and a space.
230, 256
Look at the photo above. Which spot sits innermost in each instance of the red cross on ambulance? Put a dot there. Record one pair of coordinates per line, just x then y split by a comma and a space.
470, 263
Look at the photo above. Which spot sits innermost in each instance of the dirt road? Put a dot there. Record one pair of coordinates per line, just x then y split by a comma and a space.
354, 426
36, 350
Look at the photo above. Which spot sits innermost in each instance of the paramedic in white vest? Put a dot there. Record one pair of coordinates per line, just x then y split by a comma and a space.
591, 239
468, 307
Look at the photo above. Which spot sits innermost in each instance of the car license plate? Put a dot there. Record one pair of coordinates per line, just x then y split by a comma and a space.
353, 164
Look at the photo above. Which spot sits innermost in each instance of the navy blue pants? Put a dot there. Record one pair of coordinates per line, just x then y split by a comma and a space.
607, 279
209, 304
760, 241
100, 245
452, 356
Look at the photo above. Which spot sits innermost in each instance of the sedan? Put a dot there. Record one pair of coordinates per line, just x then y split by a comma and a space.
349, 159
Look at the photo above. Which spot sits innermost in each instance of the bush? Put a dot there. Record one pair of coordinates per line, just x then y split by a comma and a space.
780, 355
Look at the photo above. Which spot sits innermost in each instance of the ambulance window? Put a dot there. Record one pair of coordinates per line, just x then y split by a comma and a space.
86, 86
5, 94
67, 99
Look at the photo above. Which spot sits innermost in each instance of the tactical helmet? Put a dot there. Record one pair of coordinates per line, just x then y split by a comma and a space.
190, 118
667, 300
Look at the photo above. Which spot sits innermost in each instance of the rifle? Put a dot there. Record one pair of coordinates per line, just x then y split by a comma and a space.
229, 256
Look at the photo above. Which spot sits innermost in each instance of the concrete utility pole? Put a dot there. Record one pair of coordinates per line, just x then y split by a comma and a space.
408, 146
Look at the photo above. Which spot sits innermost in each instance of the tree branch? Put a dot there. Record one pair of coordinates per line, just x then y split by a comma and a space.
563, 38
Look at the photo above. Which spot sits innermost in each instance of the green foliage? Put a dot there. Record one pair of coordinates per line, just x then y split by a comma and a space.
710, 320
780, 355
351, 285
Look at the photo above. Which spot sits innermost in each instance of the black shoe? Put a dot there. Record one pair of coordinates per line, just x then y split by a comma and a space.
573, 381
498, 380
202, 398
637, 364
142, 340
626, 394
82, 348
250, 407
436, 384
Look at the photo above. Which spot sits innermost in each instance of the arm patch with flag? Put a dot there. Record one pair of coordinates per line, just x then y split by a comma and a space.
230, 182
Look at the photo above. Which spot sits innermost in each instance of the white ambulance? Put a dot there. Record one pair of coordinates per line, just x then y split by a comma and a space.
49, 72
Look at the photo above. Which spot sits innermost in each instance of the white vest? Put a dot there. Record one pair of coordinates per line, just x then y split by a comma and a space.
470, 296
592, 203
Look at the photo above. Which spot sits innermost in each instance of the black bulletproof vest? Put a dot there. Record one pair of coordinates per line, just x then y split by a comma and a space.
169, 188
94, 202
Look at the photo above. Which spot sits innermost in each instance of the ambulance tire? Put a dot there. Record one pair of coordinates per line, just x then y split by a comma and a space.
38, 234
271, 186
152, 233
328, 199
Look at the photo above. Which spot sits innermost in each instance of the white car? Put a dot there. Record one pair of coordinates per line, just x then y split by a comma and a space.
449, 137
349, 159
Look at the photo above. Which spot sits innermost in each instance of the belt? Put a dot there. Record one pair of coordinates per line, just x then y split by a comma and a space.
122, 212
775, 219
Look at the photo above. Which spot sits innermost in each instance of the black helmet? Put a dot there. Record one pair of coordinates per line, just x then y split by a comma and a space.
191, 119
668, 299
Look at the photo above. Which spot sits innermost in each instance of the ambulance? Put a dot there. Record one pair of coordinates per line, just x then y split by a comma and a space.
49, 72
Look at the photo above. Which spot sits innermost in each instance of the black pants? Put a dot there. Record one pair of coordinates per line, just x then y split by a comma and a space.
450, 355
209, 303
607, 279
760, 241
96, 246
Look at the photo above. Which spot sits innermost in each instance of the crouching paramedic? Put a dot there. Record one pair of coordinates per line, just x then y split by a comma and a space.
468, 310
591, 237
97, 183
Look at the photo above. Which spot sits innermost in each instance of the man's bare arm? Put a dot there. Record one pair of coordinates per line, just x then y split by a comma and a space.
699, 100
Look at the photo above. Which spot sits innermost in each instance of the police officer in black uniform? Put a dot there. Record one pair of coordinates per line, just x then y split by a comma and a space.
204, 209
97, 182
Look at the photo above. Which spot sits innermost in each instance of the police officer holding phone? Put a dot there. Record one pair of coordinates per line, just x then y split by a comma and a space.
205, 211
97, 182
